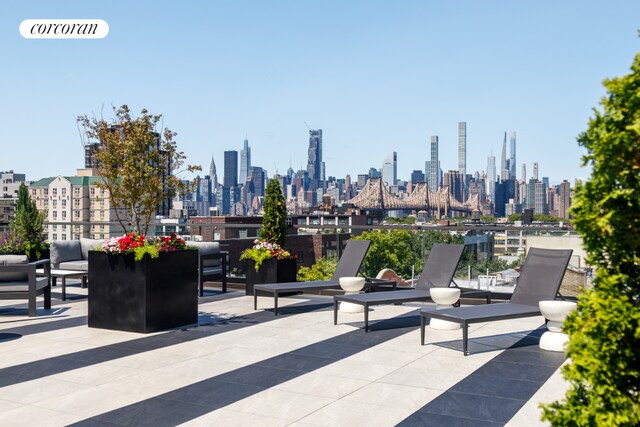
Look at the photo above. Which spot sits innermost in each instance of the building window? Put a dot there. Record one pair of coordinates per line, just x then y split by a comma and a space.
55, 236
76, 214
64, 227
64, 237
54, 227
76, 203
55, 192
64, 192
55, 214
55, 203
64, 214
64, 203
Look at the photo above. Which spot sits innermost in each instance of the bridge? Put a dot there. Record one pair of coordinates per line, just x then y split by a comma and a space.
376, 196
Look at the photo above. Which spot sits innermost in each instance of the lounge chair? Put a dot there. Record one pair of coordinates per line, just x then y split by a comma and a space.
348, 266
539, 280
438, 271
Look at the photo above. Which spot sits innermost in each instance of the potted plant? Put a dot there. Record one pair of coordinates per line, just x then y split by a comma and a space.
143, 285
138, 284
267, 261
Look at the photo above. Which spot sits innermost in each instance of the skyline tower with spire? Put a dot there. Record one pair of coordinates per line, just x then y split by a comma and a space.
213, 174
245, 162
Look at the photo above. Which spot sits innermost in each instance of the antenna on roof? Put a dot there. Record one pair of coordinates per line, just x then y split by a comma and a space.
305, 123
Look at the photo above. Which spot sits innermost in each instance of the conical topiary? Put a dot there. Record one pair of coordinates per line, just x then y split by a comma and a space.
274, 220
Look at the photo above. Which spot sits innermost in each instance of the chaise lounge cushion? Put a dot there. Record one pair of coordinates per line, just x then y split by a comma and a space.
17, 276
65, 250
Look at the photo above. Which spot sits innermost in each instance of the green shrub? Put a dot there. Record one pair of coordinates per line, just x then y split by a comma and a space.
322, 270
604, 331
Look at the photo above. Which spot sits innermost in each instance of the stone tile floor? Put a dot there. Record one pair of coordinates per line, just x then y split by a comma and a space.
242, 367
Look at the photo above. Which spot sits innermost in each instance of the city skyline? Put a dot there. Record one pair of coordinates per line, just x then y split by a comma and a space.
380, 80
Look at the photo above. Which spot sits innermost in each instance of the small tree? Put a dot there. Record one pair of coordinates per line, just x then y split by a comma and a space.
274, 220
604, 331
28, 221
137, 165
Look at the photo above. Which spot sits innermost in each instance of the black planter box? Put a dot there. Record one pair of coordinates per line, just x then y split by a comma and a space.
271, 271
143, 296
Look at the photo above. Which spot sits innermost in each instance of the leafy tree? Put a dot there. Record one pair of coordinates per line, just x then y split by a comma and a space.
137, 165
404, 221
401, 250
28, 221
604, 331
274, 220
26, 231
322, 270
487, 218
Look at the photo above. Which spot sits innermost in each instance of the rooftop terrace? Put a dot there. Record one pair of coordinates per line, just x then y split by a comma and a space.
246, 367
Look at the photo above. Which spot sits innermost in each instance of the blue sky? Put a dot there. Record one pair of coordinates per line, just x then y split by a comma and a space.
375, 76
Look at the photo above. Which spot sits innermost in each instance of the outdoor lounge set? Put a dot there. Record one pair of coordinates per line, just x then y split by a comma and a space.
540, 280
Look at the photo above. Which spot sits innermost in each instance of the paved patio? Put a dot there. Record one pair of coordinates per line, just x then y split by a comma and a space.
242, 367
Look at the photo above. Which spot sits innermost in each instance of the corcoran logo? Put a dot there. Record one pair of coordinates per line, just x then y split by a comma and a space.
64, 29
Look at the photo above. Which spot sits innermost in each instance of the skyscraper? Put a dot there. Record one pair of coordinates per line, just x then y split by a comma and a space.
314, 164
524, 172
564, 202
462, 149
453, 181
512, 159
535, 170
434, 173
245, 162
390, 169
230, 169
213, 175
504, 165
491, 177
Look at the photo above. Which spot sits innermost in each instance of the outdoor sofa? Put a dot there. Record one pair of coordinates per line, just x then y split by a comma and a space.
212, 263
18, 280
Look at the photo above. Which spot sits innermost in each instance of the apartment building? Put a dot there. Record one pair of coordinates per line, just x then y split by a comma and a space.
75, 207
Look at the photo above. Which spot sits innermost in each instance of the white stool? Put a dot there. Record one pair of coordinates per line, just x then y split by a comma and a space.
351, 285
444, 298
555, 312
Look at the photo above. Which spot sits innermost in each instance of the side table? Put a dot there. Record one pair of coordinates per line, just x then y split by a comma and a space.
351, 285
444, 298
555, 312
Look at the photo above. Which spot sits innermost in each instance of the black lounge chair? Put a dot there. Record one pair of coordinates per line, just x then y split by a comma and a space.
348, 266
438, 271
539, 280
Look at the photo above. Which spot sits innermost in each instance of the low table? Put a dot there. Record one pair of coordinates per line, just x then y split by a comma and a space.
64, 274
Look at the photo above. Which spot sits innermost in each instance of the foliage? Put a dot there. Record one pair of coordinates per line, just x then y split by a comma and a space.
322, 270
274, 220
401, 221
604, 331
487, 218
26, 231
402, 250
137, 166
537, 217
140, 246
262, 251
11, 243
